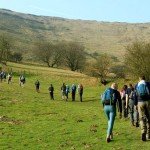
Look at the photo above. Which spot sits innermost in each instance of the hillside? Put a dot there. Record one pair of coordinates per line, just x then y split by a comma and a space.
110, 37
31, 121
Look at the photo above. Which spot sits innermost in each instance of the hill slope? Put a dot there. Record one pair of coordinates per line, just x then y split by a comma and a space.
96, 36
30, 120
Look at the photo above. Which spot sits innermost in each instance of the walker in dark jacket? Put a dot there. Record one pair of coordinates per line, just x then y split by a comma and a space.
51, 91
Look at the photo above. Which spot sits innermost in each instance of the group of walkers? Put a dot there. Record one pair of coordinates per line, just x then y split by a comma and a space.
8, 77
5, 77
131, 100
66, 90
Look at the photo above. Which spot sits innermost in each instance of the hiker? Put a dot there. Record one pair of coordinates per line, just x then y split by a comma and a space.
1, 76
109, 100
80, 91
73, 91
143, 103
63, 91
67, 91
9, 77
124, 95
37, 86
51, 91
133, 112
22, 80
4, 76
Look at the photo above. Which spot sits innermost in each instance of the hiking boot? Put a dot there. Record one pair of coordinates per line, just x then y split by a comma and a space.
108, 140
137, 124
143, 137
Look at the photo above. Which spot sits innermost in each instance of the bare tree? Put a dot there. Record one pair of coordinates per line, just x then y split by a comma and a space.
58, 53
74, 56
46, 52
16, 57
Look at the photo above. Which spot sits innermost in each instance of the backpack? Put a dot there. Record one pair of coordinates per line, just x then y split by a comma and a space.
132, 95
51, 89
67, 89
142, 90
22, 78
108, 95
74, 88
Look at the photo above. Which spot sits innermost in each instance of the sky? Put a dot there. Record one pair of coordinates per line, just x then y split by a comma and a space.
131, 11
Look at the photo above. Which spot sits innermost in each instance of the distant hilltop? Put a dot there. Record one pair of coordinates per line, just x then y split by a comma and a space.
100, 37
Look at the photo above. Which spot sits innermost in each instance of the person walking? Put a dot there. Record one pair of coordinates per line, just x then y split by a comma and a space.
37, 86
4, 76
67, 91
80, 91
9, 78
143, 103
51, 91
1, 76
124, 97
22, 80
73, 92
109, 99
133, 112
63, 91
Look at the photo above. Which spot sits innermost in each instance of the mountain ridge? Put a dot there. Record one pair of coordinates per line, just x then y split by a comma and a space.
96, 36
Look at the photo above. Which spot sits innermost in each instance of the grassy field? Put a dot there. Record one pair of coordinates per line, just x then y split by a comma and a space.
31, 121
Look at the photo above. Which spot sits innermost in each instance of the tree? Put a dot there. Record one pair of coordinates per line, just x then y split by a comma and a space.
16, 57
57, 57
5, 46
137, 59
101, 67
118, 70
74, 56
48, 53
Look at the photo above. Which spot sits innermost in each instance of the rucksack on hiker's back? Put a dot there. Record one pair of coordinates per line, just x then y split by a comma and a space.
142, 90
132, 95
108, 96
22, 78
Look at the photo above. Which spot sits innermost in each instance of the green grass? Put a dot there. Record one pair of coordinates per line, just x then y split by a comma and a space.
34, 122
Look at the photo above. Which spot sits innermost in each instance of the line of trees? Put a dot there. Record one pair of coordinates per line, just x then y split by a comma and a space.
73, 56
70, 54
